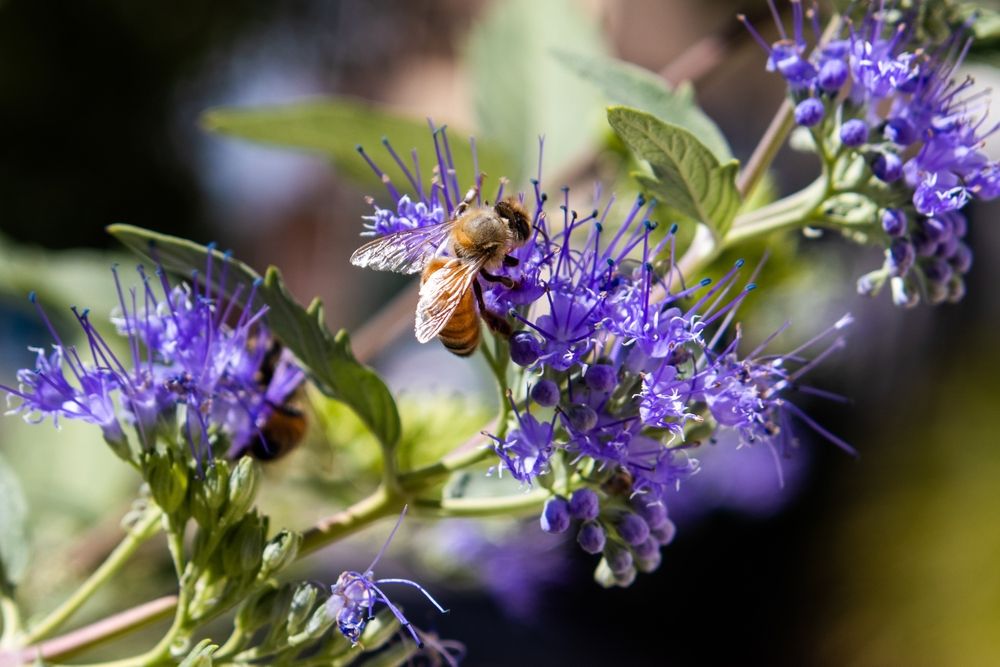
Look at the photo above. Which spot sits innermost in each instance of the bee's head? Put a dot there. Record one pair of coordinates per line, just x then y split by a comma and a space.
516, 217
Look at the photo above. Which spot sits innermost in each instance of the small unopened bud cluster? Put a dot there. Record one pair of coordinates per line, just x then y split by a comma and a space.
629, 535
926, 256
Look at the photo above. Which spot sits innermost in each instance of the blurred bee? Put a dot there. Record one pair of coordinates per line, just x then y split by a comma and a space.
285, 425
451, 257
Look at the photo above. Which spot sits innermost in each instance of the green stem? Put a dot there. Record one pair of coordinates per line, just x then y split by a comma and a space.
380, 504
142, 531
767, 149
523, 504
787, 213
11, 615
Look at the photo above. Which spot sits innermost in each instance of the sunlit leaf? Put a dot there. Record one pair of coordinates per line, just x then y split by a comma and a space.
520, 90
688, 176
632, 86
303, 330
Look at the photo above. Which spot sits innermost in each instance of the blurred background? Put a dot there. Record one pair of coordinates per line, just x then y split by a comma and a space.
893, 559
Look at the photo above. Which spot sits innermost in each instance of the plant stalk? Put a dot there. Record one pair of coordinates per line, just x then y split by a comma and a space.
142, 531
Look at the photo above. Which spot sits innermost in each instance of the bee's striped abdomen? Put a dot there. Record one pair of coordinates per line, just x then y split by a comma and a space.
461, 334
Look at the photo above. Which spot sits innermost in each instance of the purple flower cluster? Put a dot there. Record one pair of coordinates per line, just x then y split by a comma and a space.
194, 374
620, 376
899, 98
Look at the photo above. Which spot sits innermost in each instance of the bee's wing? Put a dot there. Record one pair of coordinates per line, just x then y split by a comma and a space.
442, 293
403, 252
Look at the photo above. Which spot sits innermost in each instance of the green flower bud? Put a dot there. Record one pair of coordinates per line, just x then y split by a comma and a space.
255, 612
603, 574
216, 484
302, 604
379, 630
280, 551
280, 606
320, 620
198, 504
241, 549
242, 489
200, 655
168, 481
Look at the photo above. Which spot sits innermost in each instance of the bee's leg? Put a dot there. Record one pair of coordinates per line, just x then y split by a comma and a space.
496, 322
503, 280
463, 206
510, 261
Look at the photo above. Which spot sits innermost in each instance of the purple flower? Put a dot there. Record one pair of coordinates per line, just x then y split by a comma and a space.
353, 598
408, 215
183, 352
854, 133
526, 450
809, 112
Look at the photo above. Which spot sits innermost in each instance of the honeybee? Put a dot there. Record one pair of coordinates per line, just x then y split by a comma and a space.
286, 424
451, 257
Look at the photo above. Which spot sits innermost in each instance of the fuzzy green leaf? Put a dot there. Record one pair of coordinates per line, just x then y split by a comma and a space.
14, 546
521, 92
688, 176
633, 86
302, 330
335, 126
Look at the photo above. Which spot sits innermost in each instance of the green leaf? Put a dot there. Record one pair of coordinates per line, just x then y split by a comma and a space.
14, 549
335, 126
521, 92
303, 330
688, 176
633, 86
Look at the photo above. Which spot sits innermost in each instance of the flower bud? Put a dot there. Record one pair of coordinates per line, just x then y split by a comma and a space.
581, 417
603, 574
626, 578
904, 293
601, 378
887, 167
956, 290
633, 529
832, 75
280, 551
809, 112
938, 271
619, 559
654, 513
242, 489
555, 516
962, 259
379, 630
255, 612
901, 256
947, 248
854, 133
241, 550
871, 283
894, 222
524, 349
591, 537
923, 245
545, 393
937, 293
302, 604
650, 564
937, 230
200, 655
647, 549
665, 533
900, 130
324, 616
116, 439
168, 482
584, 504
215, 486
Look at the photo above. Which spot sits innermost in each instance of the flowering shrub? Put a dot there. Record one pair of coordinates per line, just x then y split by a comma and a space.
622, 361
